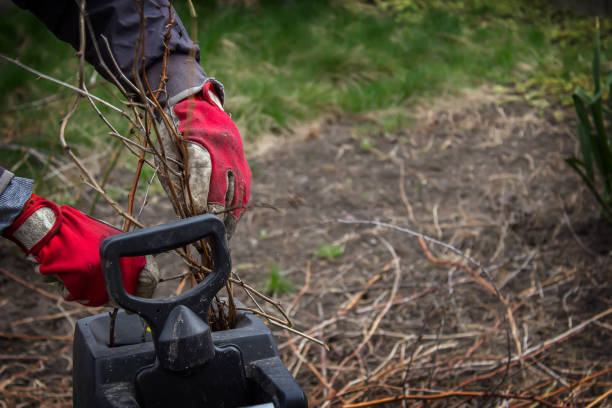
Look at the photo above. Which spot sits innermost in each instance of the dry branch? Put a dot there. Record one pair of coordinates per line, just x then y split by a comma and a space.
36, 367
445, 395
36, 289
31, 337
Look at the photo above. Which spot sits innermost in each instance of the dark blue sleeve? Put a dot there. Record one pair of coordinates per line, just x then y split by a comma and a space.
119, 22
14, 192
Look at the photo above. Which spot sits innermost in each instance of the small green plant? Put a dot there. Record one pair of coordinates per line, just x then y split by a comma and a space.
595, 167
329, 251
276, 284
366, 146
418, 186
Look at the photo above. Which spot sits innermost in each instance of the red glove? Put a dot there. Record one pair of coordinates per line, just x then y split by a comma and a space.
219, 176
65, 242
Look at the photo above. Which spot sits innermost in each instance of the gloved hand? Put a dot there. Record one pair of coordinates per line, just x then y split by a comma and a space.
65, 242
219, 176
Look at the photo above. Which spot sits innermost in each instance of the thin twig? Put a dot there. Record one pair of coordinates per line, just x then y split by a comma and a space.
36, 367
36, 289
64, 84
444, 395
114, 159
302, 291
36, 319
600, 398
32, 337
111, 328
563, 336
299, 333
418, 235
375, 324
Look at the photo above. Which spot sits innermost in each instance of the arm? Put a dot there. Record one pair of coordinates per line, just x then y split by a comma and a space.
220, 178
52, 235
119, 22
219, 174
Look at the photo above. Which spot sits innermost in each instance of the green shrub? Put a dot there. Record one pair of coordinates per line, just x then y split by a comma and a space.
595, 167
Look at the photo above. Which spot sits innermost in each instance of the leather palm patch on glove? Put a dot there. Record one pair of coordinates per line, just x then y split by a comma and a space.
65, 242
219, 177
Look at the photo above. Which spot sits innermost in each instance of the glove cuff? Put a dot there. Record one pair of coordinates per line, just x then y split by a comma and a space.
36, 224
209, 84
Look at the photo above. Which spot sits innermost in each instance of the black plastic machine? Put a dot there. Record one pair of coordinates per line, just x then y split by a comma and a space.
179, 362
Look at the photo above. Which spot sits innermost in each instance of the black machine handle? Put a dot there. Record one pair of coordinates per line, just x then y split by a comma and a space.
190, 369
162, 238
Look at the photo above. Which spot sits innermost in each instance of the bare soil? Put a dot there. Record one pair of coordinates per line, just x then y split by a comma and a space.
475, 172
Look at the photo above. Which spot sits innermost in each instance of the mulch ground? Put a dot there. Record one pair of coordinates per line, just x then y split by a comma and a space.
514, 308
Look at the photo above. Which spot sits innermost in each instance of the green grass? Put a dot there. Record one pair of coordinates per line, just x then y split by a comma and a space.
282, 64
312, 58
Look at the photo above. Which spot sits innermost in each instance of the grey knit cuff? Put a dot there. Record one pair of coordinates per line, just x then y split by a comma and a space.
13, 198
218, 86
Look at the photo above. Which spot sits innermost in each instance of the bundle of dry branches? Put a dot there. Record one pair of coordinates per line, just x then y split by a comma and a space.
146, 117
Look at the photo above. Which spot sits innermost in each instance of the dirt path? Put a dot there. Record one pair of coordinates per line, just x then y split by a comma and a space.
485, 177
